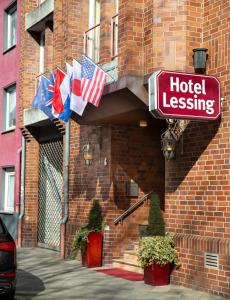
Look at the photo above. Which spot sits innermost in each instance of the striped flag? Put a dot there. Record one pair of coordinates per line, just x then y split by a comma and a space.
93, 81
61, 96
61, 91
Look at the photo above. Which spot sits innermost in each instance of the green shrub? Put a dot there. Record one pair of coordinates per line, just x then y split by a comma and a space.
95, 216
80, 240
94, 224
158, 249
156, 225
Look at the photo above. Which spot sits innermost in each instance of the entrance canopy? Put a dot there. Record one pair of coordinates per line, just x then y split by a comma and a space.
124, 102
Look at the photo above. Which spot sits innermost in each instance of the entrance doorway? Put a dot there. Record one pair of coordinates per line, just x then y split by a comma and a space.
50, 194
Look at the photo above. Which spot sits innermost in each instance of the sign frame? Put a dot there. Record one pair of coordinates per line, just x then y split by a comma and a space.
154, 97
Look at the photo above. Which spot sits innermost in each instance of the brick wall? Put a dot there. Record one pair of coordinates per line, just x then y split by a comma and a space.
136, 155
108, 10
87, 182
107, 182
165, 25
30, 220
197, 182
130, 42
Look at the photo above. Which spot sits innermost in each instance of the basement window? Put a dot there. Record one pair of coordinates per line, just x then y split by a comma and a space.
211, 260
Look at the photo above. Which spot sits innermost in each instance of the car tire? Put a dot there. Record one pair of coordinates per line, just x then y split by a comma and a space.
10, 295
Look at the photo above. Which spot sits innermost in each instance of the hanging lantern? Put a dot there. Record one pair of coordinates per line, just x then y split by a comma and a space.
168, 144
88, 154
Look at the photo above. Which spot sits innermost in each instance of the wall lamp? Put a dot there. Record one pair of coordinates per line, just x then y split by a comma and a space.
168, 144
200, 57
87, 154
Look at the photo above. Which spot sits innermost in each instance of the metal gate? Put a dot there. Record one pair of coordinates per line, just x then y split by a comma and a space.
50, 194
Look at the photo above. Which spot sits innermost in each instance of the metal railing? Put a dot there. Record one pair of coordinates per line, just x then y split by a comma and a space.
132, 208
114, 36
92, 40
92, 43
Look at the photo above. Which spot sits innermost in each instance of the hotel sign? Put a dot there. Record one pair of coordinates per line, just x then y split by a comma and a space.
184, 96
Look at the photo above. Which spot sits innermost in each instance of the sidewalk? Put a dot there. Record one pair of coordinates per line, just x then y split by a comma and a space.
42, 275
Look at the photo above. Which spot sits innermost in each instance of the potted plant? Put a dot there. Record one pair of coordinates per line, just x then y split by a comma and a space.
89, 239
156, 253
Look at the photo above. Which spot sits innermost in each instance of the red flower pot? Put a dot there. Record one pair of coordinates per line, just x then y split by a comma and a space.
155, 274
92, 256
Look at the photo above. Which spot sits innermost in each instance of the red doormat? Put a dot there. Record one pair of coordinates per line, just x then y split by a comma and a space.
122, 274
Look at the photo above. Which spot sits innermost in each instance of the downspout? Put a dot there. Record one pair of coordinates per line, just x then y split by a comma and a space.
18, 176
22, 190
66, 188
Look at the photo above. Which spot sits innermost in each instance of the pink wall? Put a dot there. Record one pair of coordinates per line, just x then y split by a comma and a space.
10, 142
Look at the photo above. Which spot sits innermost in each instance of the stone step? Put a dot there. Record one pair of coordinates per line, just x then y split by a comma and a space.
136, 246
126, 265
131, 256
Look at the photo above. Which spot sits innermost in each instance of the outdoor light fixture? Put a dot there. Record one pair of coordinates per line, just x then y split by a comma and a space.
200, 57
168, 144
143, 123
87, 154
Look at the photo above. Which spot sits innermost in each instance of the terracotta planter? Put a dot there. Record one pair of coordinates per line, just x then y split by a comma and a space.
155, 274
92, 256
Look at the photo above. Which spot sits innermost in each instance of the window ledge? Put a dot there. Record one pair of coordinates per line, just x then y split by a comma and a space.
6, 212
8, 130
35, 20
9, 49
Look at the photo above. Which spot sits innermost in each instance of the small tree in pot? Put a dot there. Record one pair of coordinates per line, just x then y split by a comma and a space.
89, 238
156, 252
156, 224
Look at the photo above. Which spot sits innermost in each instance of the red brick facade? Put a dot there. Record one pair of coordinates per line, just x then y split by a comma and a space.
194, 187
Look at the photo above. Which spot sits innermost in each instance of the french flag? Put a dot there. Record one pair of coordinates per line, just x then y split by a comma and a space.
77, 104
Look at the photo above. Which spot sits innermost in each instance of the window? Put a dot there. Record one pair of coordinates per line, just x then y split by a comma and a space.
9, 108
10, 26
94, 34
7, 203
42, 53
94, 12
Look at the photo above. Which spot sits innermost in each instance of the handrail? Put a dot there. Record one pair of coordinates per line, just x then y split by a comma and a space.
131, 209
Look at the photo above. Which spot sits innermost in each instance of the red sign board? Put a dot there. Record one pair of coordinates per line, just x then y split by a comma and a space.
184, 96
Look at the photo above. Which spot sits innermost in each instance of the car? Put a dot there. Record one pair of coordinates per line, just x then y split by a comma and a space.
8, 263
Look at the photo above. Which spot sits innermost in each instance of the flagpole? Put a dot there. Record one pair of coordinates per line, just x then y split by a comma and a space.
57, 67
76, 60
36, 83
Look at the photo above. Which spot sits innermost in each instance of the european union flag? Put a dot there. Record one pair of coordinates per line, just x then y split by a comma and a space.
42, 97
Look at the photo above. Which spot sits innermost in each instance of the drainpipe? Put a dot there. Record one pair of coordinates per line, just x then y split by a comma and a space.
66, 188
22, 191
17, 186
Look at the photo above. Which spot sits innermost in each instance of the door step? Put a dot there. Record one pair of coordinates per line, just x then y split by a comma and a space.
128, 262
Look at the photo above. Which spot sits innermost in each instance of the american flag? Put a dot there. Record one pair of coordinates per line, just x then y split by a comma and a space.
92, 81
